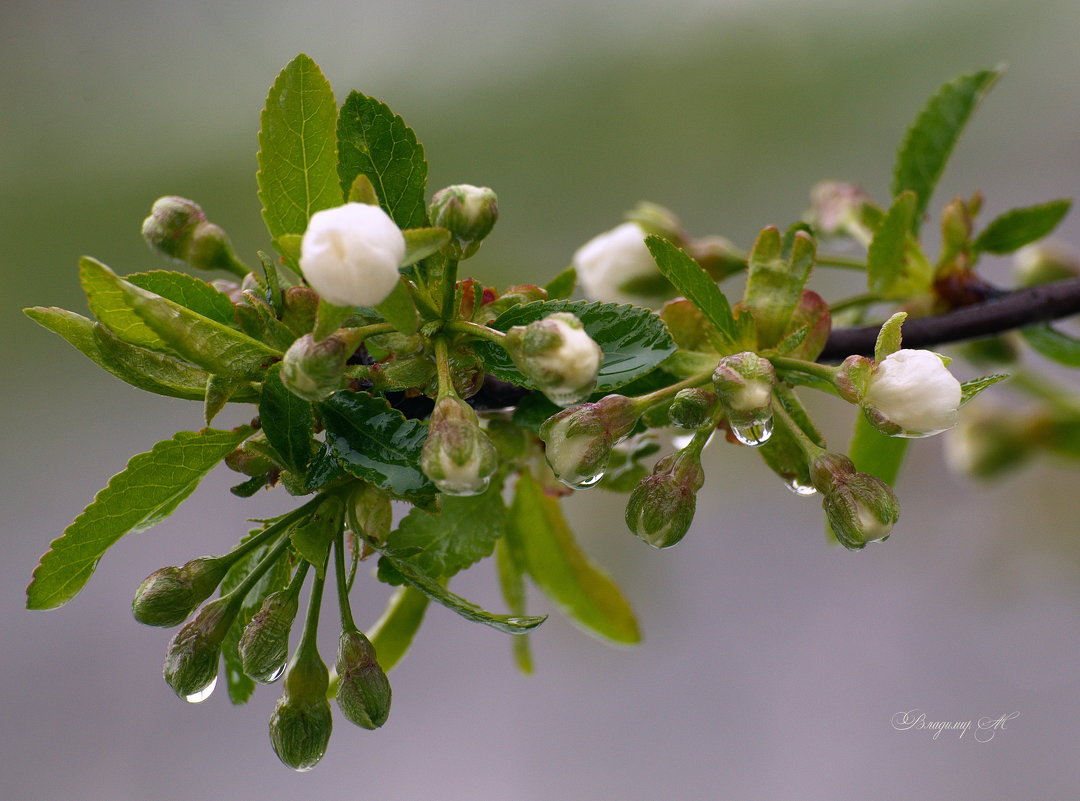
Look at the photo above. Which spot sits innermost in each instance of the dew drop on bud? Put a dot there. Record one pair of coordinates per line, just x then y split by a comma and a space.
203, 694
755, 435
799, 488
582, 482
276, 674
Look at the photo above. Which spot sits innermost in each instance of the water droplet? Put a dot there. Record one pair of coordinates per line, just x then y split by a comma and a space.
203, 694
276, 674
464, 487
582, 482
680, 441
799, 488
755, 434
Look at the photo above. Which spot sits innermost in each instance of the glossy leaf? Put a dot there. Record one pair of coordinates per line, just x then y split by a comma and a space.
890, 337
144, 493
969, 389
460, 535
931, 138
544, 546
375, 442
1053, 344
393, 633
323, 470
286, 421
375, 142
298, 149
1018, 227
633, 339
512, 585
887, 264
691, 280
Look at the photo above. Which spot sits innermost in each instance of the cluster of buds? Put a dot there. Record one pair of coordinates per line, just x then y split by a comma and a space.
860, 508
178, 228
168, 596
661, 507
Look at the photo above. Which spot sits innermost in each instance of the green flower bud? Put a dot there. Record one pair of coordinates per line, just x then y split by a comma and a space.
468, 213
578, 441
403, 372
661, 507
191, 663
693, 408
853, 377
860, 508
301, 723
249, 461
167, 596
315, 370
264, 645
363, 689
299, 306
557, 355
178, 228
744, 383
457, 455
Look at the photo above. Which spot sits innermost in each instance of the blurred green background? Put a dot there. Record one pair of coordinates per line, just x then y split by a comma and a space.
772, 663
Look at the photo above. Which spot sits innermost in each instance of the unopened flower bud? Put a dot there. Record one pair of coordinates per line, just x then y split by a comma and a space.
1044, 262
178, 228
363, 689
299, 306
249, 461
853, 377
578, 441
617, 267
661, 507
350, 254
264, 645
558, 355
167, 596
370, 513
301, 723
457, 456
315, 370
911, 393
956, 227
744, 383
860, 508
191, 663
468, 213
693, 408
403, 372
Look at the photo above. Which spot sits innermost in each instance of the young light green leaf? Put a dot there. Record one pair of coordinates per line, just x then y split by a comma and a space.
512, 584
187, 291
775, 282
888, 272
930, 139
393, 633
363, 191
463, 533
298, 149
890, 337
1018, 227
969, 389
145, 492
109, 303
399, 309
1053, 344
690, 279
874, 453
375, 442
633, 339
220, 391
542, 543
312, 536
286, 421
423, 242
375, 142
562, 285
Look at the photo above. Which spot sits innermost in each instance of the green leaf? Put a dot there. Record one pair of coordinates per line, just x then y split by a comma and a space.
399, 309
887, 265
312, 536
783, 453
298, 149
930, 139
696, 285
219, 391
109, 303
776, 280
512, 584
375, 442
542, 543
433, 589
329, 318
1014, 229
375, 142
688, 326
969, 389
562, 285
323, 470
363, 191
633, 339
144, 493
393, 633
890, 337
874, 453
423, 242
287, 421
463, 533
1053, 344
187, 291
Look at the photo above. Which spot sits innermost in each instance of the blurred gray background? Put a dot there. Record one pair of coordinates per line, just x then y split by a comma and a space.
772, 664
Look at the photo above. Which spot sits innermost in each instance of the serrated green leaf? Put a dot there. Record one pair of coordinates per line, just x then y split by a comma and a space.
463, 533
187, 291
633, 339
109, 303
216, 347
1018, 227
1053, 344
375, 442
930, 139
888, 272
876, 454
375, 142
696, 285
562, 285
218, 392
394, 631
890, 337
145, 492
312, 536
969, 389
287, 422
542, 543
775, 282
512, 585
323, 470
298, 149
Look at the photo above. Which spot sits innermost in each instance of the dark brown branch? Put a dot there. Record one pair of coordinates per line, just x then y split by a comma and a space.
1018, 309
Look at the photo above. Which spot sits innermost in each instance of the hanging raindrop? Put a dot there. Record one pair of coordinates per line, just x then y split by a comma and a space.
203, 694
754, 434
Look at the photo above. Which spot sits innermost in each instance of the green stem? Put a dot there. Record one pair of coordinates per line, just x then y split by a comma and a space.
660, 395
864, 299
423, 301
843, 262
347, 623
354, 336
449, 289
475, 330
442, 364
820, 371
308, 640
269, 533
809, 448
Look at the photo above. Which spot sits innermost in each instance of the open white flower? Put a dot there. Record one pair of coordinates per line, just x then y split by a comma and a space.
617, 267
911, 393
350, 254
